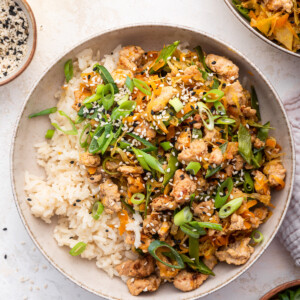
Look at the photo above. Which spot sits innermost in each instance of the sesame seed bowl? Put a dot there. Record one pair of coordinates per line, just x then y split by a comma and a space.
28, 132
18, 37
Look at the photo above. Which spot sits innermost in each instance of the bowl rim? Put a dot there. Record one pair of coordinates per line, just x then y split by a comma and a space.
256, 32
124, 27
280, 288
30, 57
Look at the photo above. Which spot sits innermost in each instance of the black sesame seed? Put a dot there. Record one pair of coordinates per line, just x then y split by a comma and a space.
152, 112
28, 199
72, 162
5, 256
106, 230
4, 229
78, 200
214, 62
74, 204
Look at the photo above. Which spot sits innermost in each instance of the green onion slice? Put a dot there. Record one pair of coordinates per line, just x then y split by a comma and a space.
105, 75
49, 134
194, 230
230, 207
68, 132
221, 200
129, 84
201, 57
203, 109
171, 167
223, 147
201, 267
68, 68
256, 239
166, 145
245, 145
104, 166
242, 10
165, 53
97, 210
44, 112
123, 110
184, 216
108, 96
209, 225
213, 95
225, 121
141, 159
137, 198
193, 167
157, 244
147, 161
220, 109
248, 183
176, 104
142, 86
149, 146
78, 249
216, 83
255, 103
85, 131
212, 171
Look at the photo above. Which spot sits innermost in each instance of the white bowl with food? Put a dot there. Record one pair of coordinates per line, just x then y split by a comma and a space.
18, 37
275, 22
157, 166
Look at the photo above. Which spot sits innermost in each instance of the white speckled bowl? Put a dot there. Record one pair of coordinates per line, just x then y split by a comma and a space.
28, 132
32, 39
257, 32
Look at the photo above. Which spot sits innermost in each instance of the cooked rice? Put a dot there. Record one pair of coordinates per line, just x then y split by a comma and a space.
66, 182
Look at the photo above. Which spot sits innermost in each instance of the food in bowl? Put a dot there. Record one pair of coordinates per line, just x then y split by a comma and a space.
278, 20
158, 165
14, 34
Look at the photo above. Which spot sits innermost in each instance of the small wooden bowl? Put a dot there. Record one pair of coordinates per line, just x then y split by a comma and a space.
31, 43
280, 288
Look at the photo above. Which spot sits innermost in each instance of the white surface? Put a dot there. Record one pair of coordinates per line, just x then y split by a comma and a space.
63, 23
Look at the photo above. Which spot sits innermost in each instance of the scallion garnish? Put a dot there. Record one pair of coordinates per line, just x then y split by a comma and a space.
49, 134
123, 110
203, 109
221, 199
213, 95
166, 146
212, 171
256, 239
105, 75
129, 84
78, 249
230, 207
163, 57
97, 210
147, 161
248, 183
44, 112
158, 244
171, 167
225, 121
194, 231
176, 104
220, 109
137, 198
108, 98
86, 129
183, 216
193, 167
201, 57
209, 225
142, 86
68, 132
245, 145
68, 68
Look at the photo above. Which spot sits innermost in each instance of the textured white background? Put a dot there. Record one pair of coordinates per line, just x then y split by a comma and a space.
26, 274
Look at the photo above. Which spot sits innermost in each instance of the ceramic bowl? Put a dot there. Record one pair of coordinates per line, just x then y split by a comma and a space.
256, 32
31, 43
31, 131
280, 288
